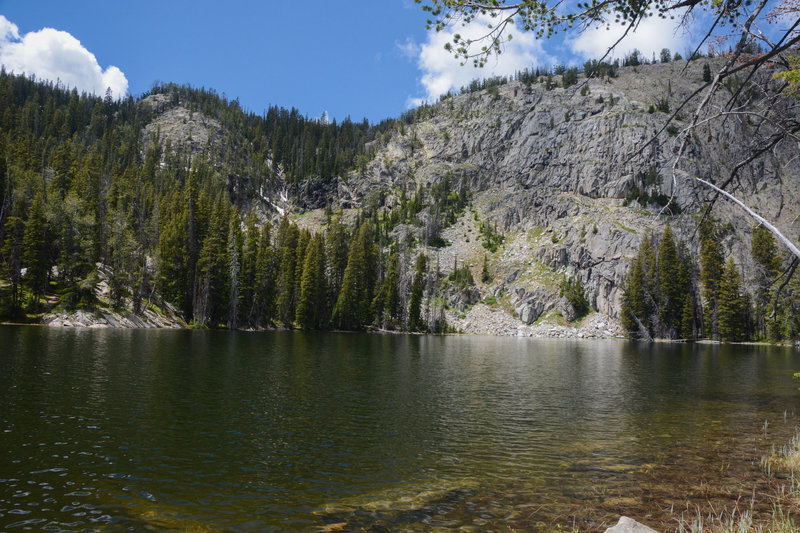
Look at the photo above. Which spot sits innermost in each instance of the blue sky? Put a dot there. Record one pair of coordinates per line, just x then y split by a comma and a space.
362, 58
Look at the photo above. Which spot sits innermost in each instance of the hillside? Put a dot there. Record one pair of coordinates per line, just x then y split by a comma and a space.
180, 196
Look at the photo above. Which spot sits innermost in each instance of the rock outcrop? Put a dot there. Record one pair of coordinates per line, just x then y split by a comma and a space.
629, 525
552, 169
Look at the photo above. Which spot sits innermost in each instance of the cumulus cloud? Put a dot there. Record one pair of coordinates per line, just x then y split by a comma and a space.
651, 36
441, 72
56, 55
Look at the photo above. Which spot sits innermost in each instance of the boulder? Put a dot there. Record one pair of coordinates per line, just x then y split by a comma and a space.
629, 525
567, 309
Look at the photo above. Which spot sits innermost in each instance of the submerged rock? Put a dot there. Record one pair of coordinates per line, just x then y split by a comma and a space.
629, 525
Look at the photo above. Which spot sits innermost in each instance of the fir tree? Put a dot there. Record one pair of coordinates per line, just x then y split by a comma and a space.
234, 268
286, 272
336, 253
14, 230
386, 305
309, 313
637, 301
34, 250
354, 304
414, 321
765, 254
730, 303
671, 286
264, 304
711, 267
687, 318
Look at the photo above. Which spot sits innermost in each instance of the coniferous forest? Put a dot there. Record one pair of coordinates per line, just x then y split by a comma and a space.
90, 195
669, 294
83, 197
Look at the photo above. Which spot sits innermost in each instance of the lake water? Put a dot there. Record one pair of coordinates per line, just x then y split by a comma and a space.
200, 430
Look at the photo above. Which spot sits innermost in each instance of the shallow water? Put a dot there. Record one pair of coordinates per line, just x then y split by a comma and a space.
194, 430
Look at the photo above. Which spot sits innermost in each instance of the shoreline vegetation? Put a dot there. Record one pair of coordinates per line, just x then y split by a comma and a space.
781, 468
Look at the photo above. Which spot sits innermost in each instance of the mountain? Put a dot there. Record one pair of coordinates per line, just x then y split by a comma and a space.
517, 191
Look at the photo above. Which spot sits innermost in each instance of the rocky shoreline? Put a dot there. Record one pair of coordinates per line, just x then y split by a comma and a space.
482, 319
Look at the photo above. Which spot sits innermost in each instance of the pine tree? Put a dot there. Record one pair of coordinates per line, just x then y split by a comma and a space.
173, 275
336, 244
670, 284
711, 267
637, 301
765, 254
213, 285
309, 313
249, 262
234, 267
14, 231
730, 303
387, 301
264, 302
415, 305
34, 250
353, 309
286, 272
687, 318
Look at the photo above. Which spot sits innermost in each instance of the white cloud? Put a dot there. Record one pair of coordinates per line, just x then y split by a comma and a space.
442, 72
651, 36
56, 55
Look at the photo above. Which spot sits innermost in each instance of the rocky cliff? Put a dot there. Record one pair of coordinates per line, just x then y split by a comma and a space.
550, 169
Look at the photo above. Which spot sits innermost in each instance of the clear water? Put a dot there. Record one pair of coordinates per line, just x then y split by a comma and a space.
195, 431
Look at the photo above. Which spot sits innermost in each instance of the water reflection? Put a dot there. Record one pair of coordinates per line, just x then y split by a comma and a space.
253, 431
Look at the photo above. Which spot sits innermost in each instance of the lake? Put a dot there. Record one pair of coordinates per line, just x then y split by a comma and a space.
238, 431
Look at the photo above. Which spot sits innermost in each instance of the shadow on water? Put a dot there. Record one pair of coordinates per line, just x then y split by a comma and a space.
202, 430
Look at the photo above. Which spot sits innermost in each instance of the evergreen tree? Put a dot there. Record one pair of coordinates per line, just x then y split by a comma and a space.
12, 257
671, 284
711, 267
213, 288
310, 315
353, 309
706, 73
337, 253
173, 275
414, 321
687, 318
286, 272
234, 240
34, 250
638, 304
249, 265
264, 304
387, 301
730, 303
764, 252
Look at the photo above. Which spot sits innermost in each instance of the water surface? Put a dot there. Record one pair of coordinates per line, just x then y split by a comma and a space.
193, 430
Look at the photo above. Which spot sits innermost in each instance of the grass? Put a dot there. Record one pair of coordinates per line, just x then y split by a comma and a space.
784, 461
534, 233
626, 228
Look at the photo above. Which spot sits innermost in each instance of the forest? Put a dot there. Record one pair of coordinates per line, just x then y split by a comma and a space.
669, 295
86, 197
83, 197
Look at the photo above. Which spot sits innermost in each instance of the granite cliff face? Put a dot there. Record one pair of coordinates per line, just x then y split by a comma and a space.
550, 169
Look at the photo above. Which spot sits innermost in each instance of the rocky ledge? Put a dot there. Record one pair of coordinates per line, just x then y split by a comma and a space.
105, 318
482, 319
